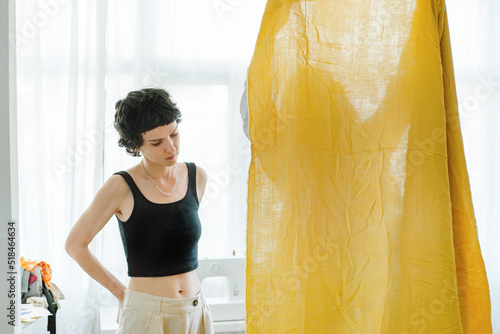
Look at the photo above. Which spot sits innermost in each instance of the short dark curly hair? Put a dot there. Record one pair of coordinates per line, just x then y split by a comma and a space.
141, 111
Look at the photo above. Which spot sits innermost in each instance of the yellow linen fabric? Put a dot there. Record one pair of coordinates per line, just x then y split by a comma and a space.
360, 217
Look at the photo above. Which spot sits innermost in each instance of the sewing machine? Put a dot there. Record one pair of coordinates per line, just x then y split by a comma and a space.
223, 282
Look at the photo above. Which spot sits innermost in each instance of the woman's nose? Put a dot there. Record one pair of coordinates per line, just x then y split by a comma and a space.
169, 146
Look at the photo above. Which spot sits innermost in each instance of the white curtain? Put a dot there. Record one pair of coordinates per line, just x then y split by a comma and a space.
76, 59
475, 29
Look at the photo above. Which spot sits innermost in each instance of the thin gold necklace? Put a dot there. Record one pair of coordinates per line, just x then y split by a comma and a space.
162, 192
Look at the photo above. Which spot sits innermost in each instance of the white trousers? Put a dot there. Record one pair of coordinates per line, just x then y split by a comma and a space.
142, 313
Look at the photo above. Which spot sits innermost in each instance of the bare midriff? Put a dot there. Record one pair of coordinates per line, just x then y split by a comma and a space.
175, 286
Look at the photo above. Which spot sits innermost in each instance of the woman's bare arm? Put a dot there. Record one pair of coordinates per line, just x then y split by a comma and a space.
105, 204
201, 182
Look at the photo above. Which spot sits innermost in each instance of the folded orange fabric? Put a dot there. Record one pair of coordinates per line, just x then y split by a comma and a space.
31, 264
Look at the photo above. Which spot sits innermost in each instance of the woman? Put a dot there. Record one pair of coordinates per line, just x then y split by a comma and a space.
156, 203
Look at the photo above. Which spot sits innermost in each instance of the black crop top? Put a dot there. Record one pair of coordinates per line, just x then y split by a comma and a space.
162, 239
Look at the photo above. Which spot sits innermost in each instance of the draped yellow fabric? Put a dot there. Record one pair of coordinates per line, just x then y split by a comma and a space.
360, 217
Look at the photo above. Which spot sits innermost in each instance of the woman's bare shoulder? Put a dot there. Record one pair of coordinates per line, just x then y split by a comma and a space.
115, 185
201, 175
201, 182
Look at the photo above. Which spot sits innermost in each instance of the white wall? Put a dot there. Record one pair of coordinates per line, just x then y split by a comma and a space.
8, 170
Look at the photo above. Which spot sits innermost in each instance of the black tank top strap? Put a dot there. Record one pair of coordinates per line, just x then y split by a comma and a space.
133, 187
192, 179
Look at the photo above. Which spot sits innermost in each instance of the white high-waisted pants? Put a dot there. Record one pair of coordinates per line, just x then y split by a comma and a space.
149, 314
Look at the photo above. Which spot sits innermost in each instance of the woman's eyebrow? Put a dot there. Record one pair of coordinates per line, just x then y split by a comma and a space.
162, 138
